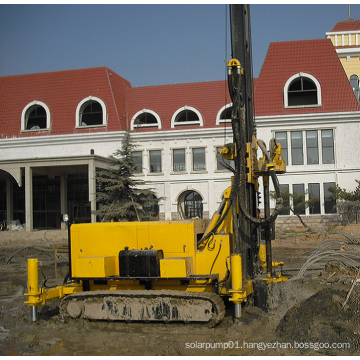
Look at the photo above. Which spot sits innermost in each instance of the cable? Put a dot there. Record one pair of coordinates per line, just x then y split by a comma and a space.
219, 222
223, 163
216, 257
340, 250
210, 241
42, 273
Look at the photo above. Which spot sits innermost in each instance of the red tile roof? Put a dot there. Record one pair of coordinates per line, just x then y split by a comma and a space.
206, 97
315, 57
62, 91
347, 25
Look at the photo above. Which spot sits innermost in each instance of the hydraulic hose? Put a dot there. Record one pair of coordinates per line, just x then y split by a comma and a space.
218, 223
223, 163
279, 200
239, 182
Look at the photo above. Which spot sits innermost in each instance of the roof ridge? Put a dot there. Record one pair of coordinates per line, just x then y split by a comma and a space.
179, 84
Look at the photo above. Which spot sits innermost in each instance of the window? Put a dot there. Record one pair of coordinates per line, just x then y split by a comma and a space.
179, 160
226, 161
46, 202
329, 202
155, 161
314, 193
186, 116
284, 190
299, 198
312, 147
313, 143
302, 90
91, 112
79, 207
327, 140
35, 116
281, 137
137, 156
296, 148
199, 163
145, 119
224, 114
193, 205
354, 82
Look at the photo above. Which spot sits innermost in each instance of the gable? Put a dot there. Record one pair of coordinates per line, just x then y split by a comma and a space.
315, 57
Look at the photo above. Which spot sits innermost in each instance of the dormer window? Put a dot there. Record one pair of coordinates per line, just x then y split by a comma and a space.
302, 90
186, 116
224, 114
91, 112
35, 116
145, 119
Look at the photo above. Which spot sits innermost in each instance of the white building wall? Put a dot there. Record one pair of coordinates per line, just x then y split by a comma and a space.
346, 130
209, 183
103, 144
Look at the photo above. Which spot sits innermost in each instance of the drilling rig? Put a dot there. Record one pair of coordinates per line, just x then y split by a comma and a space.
183, 270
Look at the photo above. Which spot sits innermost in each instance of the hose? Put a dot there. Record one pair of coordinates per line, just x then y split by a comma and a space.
219, 222
223, 163
279, 200
333, 250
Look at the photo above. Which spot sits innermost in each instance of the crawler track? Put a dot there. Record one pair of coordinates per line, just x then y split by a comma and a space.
145, 305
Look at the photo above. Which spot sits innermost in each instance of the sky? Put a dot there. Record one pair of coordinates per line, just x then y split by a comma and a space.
149, 44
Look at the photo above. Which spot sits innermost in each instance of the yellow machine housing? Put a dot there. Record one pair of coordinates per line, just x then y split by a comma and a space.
95, 251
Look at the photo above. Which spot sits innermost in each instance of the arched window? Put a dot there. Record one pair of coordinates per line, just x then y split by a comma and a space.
354, 82
91, 112
302, 90
186, 116
193, 205
35, 116
224, 114
145, 119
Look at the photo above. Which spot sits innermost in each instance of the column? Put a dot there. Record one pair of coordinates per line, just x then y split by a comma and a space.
28, 198
9, 201
92, 189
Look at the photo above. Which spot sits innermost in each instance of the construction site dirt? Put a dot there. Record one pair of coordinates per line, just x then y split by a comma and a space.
307, 315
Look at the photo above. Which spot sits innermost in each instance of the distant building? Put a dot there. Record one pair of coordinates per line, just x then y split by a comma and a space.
58, 128
345, 36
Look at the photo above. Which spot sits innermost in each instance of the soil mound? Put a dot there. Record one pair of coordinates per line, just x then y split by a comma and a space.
322, 319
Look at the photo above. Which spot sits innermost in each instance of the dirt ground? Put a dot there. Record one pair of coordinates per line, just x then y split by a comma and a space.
305, 316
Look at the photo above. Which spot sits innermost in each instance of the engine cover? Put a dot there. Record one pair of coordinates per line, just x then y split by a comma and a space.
140, 263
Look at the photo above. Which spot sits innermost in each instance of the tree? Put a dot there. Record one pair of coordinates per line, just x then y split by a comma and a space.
120, 196
298, 204
348, 202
